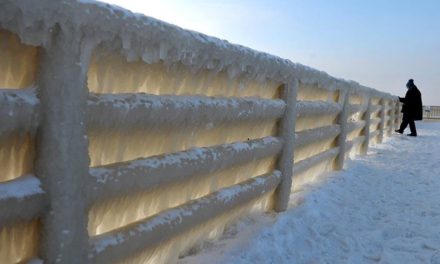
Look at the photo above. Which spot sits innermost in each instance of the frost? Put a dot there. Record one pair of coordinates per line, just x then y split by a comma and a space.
312, 135
20, 188
194, 157
128, 110
317, 108
383, 208
140, 37
18, 110
193, 60
180, 218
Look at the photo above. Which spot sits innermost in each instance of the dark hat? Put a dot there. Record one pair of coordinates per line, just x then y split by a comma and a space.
410, 84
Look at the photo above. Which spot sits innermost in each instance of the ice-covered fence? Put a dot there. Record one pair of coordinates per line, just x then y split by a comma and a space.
124, 138
431, 112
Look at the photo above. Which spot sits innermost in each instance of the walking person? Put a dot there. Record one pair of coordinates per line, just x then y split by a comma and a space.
412, 108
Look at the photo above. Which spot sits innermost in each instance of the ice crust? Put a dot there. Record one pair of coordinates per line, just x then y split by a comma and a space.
18, 110
182, 159
308, 163
180, 218
138, 37
317, 108
20, 188
21, 200
387, 212
308, 136
163, 194
19, 115
137, 110
18, 64
198, 64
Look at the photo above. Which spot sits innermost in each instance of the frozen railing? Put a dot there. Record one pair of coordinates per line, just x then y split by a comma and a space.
431, 112
123, 138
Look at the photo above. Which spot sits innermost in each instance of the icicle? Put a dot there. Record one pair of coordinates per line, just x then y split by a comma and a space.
18, 62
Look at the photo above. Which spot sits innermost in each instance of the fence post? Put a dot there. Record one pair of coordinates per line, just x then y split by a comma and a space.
392, 117
62, 159
342, 121
382, 121
397, 112
366, 130
287, 133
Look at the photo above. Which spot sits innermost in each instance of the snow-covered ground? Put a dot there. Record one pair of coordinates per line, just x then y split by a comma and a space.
383, 208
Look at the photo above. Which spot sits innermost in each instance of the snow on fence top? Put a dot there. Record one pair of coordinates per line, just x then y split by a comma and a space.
139, 37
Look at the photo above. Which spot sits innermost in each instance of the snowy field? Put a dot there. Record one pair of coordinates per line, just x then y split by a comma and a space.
383, 208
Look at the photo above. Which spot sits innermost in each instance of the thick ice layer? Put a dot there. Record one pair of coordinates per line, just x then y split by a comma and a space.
316, 108
387, 212
158, 171
137, 37
19, 111
111, 214
21, 188
354, 129
314, 93
163, 59
19, 119
16, 156
354, 134
106, 147
309, 136
374, 139
19, 243
21, 199
375, 110
355, 148
374, 125
190, 242
310, 122
356, 99
18, 63
312, 174
164, 226
127, 111
112, 74
304, 165
356, 113
313, 148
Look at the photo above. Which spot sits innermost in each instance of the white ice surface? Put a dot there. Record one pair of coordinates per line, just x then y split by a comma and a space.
20, 188
139, 37
383, 208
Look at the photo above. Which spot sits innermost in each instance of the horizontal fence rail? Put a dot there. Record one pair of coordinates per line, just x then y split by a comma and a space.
85, 81
148, 173
151, 110
120, 244
304, 108
21, 199
18, 110
309, 136
431, 112
306, 164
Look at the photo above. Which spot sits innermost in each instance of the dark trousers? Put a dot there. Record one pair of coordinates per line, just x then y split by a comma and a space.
412, 126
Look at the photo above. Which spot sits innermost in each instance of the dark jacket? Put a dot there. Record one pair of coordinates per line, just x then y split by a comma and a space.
412, 103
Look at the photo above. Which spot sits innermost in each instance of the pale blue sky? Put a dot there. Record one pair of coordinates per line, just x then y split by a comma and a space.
378, 43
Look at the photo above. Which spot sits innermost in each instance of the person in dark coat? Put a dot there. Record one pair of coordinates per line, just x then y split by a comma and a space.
412, 108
